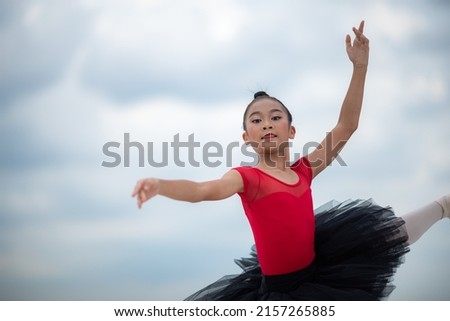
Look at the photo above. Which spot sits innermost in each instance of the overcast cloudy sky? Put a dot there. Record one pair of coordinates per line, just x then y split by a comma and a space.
75, 75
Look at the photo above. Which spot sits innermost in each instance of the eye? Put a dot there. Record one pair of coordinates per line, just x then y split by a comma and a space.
276, 117
256, 121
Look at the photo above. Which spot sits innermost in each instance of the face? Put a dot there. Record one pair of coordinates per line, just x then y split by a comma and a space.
268, 128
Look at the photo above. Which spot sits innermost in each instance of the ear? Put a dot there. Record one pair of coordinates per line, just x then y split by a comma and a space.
292, 132
245, 137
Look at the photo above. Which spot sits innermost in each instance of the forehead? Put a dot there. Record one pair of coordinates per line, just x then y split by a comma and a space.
264, 105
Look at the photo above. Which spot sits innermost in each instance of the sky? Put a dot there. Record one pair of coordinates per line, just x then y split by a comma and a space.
81, 81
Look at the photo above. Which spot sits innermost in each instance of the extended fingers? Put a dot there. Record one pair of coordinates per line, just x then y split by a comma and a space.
144, 190
141, 198
140, 188
137, 188
359, 33
361, 26
362, 39
348, 41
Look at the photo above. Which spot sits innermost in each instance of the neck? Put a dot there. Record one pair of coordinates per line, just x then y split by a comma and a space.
274, 161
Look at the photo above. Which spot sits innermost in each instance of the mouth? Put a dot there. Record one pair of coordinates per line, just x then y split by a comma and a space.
269, 136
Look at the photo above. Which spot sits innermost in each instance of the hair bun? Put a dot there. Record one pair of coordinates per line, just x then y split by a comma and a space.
260, 94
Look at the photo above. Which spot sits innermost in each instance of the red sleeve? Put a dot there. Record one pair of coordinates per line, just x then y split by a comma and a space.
241, 171
250, 180
303, 167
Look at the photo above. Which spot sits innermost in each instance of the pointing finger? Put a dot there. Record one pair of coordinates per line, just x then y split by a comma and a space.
361, 26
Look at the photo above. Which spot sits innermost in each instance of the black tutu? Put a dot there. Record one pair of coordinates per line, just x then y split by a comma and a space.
358, 244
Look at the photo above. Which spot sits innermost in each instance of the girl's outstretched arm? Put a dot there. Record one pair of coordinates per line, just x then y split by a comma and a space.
189, 191
329, 148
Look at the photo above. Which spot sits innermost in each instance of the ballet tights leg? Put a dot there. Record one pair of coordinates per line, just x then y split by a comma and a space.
417, 222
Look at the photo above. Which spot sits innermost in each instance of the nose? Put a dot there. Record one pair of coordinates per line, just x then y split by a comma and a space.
267, 125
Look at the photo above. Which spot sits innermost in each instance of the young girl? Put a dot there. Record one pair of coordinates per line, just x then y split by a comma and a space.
348, 251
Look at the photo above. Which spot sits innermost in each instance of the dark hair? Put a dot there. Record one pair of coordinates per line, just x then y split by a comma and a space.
261, 95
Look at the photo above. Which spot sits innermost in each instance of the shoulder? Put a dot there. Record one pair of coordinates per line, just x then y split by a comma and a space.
233, 174
303, 167
245, 172
301, 163
217, 189
242, 170
248, 176
234, 178
242, 173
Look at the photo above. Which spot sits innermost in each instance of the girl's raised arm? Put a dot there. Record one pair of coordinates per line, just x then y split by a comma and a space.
329, 148
189, 191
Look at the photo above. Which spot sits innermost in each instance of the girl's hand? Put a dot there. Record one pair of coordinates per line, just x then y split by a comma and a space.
359, 51
145, 189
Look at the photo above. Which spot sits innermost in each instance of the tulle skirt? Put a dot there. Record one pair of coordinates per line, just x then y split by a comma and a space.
359, 245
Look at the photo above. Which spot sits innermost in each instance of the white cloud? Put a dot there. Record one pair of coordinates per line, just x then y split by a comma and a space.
33, 14
396, 23
51, 32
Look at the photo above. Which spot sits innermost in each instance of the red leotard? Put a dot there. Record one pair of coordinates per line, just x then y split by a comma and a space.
281, 217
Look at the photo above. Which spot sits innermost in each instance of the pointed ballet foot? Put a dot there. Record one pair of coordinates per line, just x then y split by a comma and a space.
444, 202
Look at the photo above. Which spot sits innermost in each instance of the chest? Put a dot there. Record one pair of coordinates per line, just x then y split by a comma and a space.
288, 177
